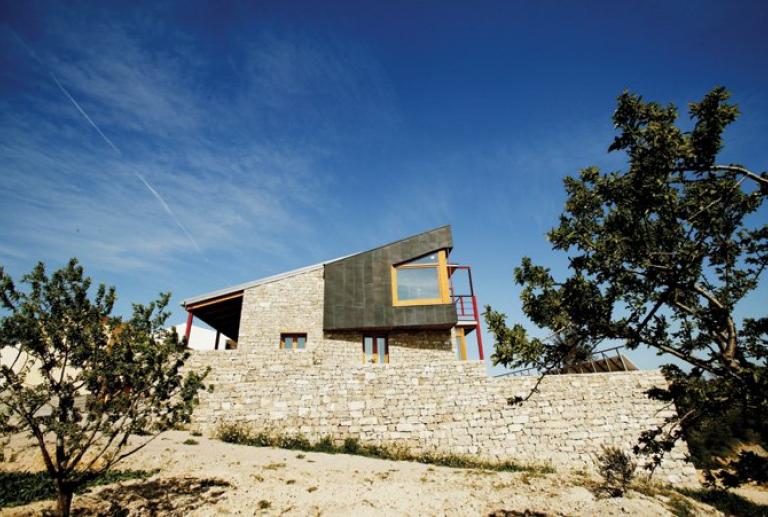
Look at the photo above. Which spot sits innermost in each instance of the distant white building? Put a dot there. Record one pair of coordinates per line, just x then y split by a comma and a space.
201, 338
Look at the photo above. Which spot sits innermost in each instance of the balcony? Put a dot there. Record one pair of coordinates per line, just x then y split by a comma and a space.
463, 297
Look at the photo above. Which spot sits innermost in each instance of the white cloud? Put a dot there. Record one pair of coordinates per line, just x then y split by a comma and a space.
239, 166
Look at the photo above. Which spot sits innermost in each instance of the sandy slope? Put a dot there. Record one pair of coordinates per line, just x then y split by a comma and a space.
215, 478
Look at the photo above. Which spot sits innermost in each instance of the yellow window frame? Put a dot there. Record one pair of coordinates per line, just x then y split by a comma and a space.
375, 354
442, 277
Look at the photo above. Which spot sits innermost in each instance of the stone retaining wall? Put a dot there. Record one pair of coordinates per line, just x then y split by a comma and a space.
446, 406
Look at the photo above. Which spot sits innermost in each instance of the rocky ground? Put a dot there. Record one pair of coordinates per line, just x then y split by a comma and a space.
208, 477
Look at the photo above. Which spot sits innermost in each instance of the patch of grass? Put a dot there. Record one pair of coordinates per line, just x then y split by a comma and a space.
20, 488
190, 441
274, 466
351, 446
196, 433
264, 504
681, 507
243, 435
256, 477
290, 482
311, 489
301, 456
325, 445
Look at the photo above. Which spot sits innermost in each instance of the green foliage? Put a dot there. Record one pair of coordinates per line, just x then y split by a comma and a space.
104, 379
617, 469
242, 434
20, 488
351, 446
190, 441
659, 256
325, 444
235, 433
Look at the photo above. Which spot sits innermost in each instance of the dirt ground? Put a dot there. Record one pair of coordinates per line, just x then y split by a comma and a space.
216, 478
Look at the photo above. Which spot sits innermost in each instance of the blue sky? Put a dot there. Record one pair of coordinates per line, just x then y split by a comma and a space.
282, 134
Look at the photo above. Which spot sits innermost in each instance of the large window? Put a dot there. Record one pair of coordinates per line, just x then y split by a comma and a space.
293, 341
422, 281
375, 348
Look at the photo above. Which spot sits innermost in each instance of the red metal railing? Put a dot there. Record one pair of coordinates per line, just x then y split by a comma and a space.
466, 304
466, 307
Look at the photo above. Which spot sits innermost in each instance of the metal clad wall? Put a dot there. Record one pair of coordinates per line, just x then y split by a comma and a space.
358, 293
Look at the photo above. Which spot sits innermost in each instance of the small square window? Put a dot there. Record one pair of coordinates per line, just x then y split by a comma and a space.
293, 341
375, 348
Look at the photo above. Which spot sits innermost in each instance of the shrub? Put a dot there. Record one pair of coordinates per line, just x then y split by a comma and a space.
234, 433
617, 470
351, 446
325, 445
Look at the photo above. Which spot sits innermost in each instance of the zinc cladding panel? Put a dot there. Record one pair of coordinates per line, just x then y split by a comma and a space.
358, 288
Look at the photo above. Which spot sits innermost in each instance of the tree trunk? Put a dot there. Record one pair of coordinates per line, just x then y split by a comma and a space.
64, 501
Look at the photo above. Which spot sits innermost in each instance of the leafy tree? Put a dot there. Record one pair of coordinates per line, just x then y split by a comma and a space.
659, 256
103, 379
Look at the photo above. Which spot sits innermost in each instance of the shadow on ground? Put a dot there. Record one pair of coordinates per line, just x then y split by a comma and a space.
166, 496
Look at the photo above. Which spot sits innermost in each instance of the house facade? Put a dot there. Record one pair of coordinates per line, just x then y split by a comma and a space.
398, 303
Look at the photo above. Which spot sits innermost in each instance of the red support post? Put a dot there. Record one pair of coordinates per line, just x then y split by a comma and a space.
478, 329
188, 331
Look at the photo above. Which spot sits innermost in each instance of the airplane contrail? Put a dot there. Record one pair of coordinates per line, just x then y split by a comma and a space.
109, 142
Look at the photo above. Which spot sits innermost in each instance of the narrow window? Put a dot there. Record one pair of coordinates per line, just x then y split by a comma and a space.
422, 281
375, 348
293, 341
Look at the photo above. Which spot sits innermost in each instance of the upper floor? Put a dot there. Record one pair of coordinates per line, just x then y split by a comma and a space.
409, 285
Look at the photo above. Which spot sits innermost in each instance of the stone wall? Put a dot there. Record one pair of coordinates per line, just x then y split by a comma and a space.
292, 304
449, 406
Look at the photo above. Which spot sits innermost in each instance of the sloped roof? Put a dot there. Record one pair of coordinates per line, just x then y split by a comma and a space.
280, 276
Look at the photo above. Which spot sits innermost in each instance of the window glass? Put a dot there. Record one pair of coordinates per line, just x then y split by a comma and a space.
422, 281
418, 283
381, 345
368, 346
293, 341
426, 259
375, 349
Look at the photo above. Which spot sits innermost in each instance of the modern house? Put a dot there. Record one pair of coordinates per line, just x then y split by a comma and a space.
373, 346
402, 301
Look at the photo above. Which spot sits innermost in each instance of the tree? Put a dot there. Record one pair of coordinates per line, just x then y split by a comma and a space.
659, 256
104, 380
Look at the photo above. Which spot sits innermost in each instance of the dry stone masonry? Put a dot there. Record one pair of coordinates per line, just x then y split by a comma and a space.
425, 399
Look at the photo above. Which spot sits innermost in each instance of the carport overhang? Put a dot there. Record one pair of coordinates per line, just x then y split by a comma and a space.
221, 313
